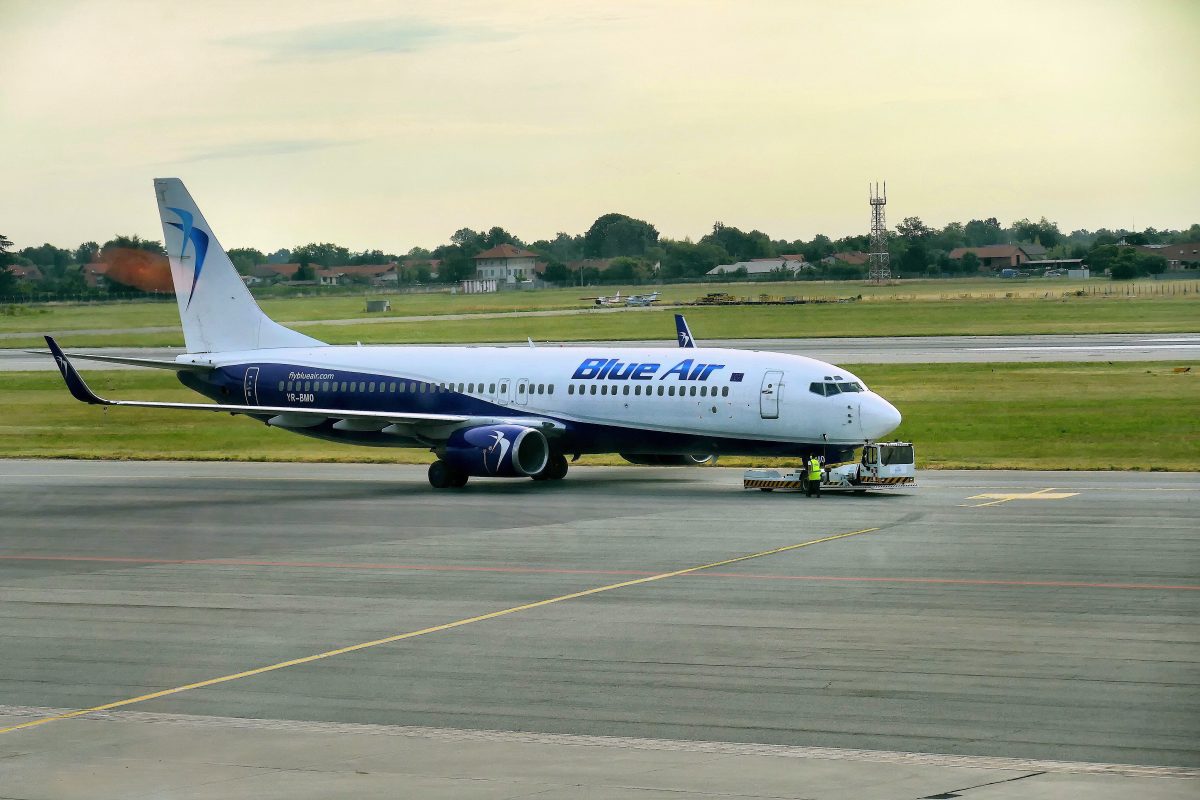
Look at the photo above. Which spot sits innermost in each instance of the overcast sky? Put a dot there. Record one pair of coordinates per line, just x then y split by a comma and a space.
388, 125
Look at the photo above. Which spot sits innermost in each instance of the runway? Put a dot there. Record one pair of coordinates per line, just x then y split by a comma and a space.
595, 637
895, 350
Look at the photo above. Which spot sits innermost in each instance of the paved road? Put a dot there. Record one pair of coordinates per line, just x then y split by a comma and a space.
1023, 626
908, 350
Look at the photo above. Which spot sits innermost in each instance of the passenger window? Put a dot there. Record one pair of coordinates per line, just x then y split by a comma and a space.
491, 388
593, 388
604, 388
693, 391
289, 386
371, 386
671, 391
637, 390
704, 391
724, 391
343, 386
402, 386
281, 386
660, 391
471, 388
541, 388
625, 389
520, 388
503, 388
422, 387
550, 388
570, 388
325, 386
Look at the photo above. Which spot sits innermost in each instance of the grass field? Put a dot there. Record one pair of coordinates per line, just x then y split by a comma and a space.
1023, 416
35, 319
882, 318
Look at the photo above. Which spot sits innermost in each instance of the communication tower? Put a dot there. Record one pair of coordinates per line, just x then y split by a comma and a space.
881, 271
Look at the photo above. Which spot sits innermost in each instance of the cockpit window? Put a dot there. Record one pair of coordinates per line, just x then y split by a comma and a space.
831, 387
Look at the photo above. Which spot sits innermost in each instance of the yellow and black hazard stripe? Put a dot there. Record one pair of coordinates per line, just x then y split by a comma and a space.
756, 483
887, 481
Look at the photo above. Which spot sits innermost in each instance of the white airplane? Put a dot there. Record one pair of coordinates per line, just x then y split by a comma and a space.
490, 411
642, 299
609, 300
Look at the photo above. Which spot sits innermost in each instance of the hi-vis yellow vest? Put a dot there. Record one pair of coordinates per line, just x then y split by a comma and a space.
814, 470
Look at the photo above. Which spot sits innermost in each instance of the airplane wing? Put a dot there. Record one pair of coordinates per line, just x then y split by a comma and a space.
432, 426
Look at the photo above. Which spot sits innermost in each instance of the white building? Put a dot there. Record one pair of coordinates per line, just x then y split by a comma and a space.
762, 266
506, 263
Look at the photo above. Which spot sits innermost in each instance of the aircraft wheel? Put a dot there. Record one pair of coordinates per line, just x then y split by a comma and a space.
556, 467
443, 476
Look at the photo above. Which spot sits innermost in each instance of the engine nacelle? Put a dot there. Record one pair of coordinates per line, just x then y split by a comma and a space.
664, 460
502, 451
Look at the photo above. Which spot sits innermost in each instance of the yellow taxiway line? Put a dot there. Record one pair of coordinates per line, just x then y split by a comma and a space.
424, 631
996, 498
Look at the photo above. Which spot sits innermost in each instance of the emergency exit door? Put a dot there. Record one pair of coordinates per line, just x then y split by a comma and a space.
768, 399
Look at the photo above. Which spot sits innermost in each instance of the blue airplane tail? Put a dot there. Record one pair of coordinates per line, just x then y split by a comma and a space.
682, 331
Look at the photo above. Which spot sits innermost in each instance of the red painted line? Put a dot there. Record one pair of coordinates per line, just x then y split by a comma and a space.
240, 562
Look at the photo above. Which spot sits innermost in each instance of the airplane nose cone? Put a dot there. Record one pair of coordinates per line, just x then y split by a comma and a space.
879, 417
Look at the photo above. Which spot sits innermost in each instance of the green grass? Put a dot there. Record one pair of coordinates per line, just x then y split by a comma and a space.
880, 318
35, 319
1022, 416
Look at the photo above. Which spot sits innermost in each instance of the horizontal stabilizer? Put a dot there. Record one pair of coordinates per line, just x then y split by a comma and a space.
153, 363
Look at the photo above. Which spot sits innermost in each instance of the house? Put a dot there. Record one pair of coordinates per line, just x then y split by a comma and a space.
1179, 256
764, 266
1001, 256
506, 263
272, 273
855, 258
95, 275
28, 274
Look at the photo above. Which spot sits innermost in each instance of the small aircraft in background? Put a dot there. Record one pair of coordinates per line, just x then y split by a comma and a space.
611, 300
642, 299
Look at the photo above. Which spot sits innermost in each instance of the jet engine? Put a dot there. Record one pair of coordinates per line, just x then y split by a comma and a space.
665, 460
502, 451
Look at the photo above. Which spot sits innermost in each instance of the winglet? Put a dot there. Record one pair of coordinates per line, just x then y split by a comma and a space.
79, 389
683, 333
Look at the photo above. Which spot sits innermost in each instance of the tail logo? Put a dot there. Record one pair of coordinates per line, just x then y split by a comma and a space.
199, 240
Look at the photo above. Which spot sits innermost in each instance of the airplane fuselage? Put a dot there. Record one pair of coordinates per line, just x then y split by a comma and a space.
607, 399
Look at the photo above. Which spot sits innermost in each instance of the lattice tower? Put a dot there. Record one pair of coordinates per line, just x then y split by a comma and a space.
880, 261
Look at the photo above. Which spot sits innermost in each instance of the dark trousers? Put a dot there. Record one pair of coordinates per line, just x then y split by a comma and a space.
812, 487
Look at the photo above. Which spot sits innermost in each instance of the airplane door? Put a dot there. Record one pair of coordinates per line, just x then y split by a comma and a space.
522, 391
502, 391
250, 386
768, 399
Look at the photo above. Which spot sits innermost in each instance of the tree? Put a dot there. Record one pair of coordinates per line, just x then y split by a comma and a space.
1044, 232
8, 281
497, 236
325, 254
740, 246
969, 263
618, 235
134, 242
914, 230
305, 272
683, 259
246, 258
982, 232
87, 253
556, 272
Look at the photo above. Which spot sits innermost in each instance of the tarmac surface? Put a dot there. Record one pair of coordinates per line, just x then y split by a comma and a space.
885, 350
629, 632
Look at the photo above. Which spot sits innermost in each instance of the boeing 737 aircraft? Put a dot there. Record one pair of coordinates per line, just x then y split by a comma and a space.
507, 412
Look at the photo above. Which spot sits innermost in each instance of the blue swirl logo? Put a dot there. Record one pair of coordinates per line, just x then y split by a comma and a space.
199, 241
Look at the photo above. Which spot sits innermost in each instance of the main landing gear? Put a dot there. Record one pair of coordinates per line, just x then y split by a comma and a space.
555, 469
444, 476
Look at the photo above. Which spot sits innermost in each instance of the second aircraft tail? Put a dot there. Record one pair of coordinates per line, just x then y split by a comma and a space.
216, 309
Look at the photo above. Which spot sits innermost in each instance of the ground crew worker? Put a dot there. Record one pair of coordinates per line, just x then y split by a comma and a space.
814, 477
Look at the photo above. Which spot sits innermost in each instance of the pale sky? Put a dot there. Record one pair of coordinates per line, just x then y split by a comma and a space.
388, 125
